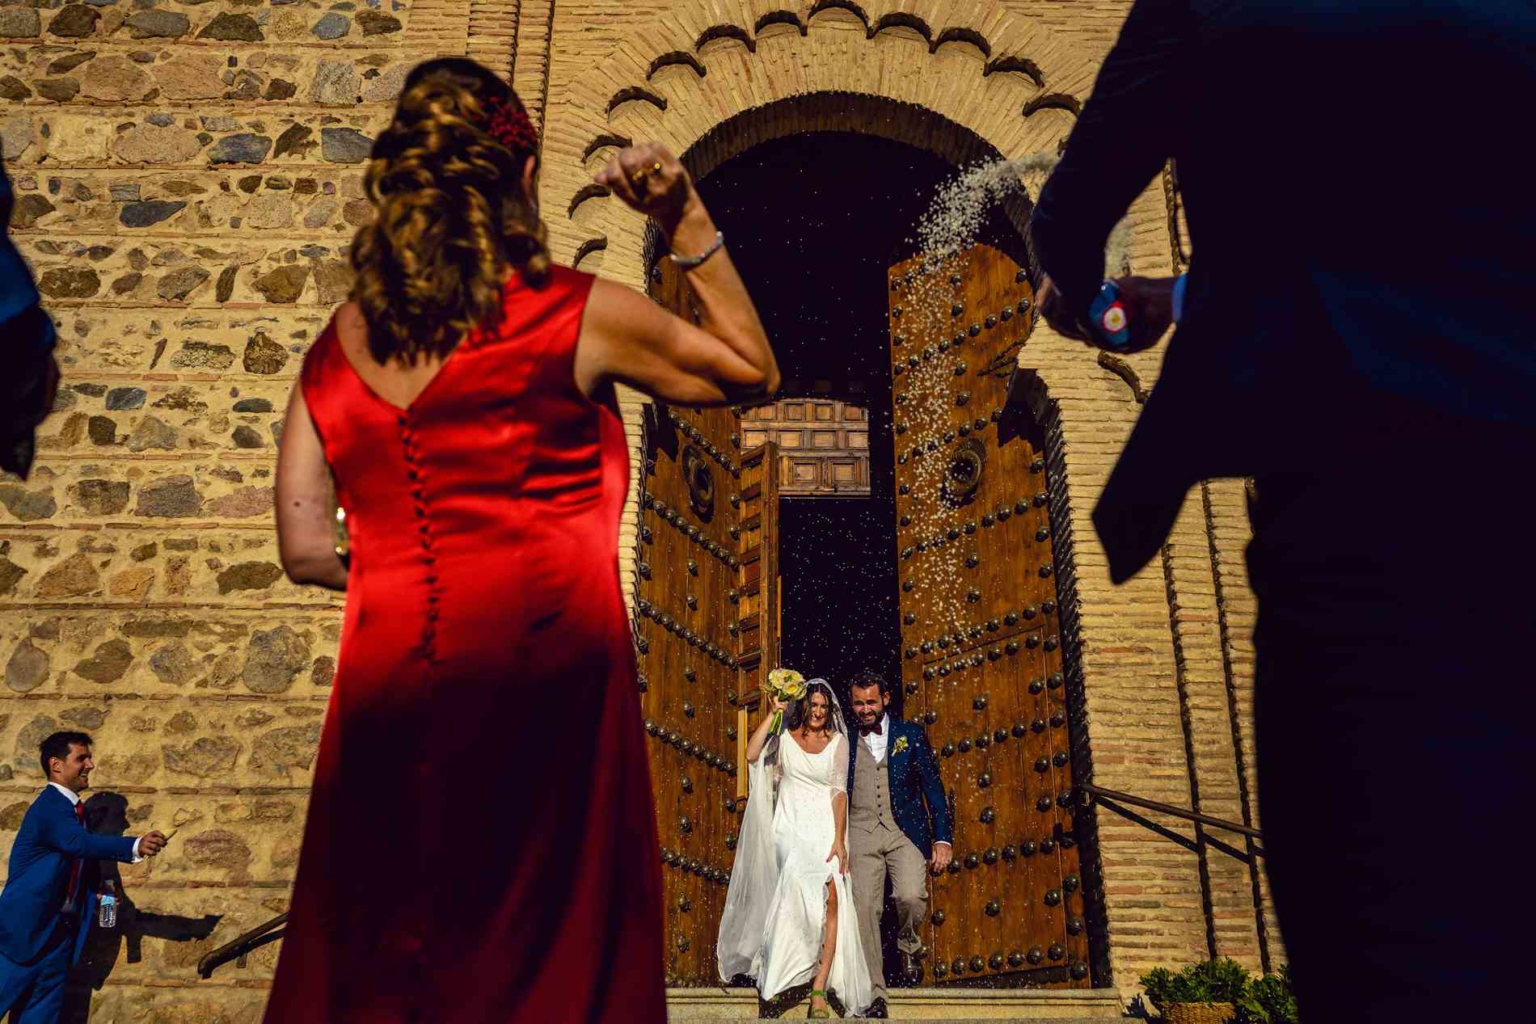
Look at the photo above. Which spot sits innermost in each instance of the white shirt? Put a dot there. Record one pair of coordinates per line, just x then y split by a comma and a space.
74, 798
876, 743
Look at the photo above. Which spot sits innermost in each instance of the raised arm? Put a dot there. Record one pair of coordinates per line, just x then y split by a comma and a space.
626, 337
305, 541
760, 735
63, 833
1128, 129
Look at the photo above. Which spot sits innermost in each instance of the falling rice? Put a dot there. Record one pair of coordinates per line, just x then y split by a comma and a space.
950, 227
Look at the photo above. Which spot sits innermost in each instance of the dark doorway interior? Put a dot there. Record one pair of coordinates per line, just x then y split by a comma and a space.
814, 221
839, 589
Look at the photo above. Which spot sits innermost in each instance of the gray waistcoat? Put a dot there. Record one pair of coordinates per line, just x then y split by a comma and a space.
871, 796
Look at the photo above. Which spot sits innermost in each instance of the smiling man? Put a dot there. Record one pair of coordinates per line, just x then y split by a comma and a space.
48, 901
891, 776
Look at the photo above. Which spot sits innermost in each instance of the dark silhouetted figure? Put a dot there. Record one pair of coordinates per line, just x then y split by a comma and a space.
29, 376
1356, 339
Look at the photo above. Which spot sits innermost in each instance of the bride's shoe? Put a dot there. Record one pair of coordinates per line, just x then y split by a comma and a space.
824, 1013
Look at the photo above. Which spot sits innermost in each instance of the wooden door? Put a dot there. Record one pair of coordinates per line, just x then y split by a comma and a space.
756, 598
707, 538
982, 660
823, 445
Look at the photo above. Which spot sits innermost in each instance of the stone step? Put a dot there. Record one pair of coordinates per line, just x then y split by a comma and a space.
935, 1005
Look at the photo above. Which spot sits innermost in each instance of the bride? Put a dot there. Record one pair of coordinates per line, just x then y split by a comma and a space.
789, 914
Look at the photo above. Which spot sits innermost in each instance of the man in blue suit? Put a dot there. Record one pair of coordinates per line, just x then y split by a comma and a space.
1356, 338
29, 375
898, 825
49, 897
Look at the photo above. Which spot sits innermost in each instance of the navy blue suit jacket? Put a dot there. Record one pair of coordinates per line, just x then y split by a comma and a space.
51, 837
1358, 250
27, 330
914, 779
26, 339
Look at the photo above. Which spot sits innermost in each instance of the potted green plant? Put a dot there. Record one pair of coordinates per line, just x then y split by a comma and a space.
1269, 1000
1204, 993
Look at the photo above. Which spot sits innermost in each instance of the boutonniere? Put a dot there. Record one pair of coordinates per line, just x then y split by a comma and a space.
901, 744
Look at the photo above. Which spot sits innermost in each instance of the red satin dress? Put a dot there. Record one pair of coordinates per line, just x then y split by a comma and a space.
481, 845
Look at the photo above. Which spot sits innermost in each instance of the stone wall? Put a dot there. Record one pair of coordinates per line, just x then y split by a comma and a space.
188, 180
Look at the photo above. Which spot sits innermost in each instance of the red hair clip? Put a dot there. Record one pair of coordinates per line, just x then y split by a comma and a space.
509, 124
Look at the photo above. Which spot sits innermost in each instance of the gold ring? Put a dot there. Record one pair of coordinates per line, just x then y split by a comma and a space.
645, 172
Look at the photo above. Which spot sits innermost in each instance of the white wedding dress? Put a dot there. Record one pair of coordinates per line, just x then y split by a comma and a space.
775, 912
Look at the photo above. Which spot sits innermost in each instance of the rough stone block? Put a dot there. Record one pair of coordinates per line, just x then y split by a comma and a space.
82, 138
214, 742
277, 271
196, 418
20, 23
232, 566
75, 21
102, 340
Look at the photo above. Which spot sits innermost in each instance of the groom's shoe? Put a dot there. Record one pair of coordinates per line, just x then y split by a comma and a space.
911, 969
877, 1010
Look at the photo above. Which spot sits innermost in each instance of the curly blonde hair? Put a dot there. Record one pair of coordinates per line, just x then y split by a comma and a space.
451, 216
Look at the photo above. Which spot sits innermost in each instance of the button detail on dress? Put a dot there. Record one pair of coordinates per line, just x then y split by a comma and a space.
418, 491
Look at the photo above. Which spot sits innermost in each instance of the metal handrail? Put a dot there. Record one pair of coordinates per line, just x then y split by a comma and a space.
236, 949
262, 934
1177, 812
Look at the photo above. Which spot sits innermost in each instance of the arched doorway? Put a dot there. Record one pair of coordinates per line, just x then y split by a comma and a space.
817, 221
711, 82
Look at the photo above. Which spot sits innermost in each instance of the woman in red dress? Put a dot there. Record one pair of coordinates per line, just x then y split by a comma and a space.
481, 844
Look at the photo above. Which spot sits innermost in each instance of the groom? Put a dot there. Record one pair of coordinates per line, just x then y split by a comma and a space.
891, 774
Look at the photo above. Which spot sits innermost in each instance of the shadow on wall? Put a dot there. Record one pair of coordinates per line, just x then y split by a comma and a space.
107, 814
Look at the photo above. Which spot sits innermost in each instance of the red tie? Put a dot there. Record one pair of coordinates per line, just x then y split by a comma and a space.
74, 869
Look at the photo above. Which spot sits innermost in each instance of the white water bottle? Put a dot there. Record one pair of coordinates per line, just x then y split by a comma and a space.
107, 915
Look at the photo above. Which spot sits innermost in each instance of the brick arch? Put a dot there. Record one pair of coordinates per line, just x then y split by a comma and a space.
858, 113
1009, 84
963, 81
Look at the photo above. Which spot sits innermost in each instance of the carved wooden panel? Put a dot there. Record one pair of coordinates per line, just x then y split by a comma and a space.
689, 564
980, 636
823, 445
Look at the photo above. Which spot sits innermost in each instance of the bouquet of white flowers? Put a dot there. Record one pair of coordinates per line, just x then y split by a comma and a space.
784, 684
